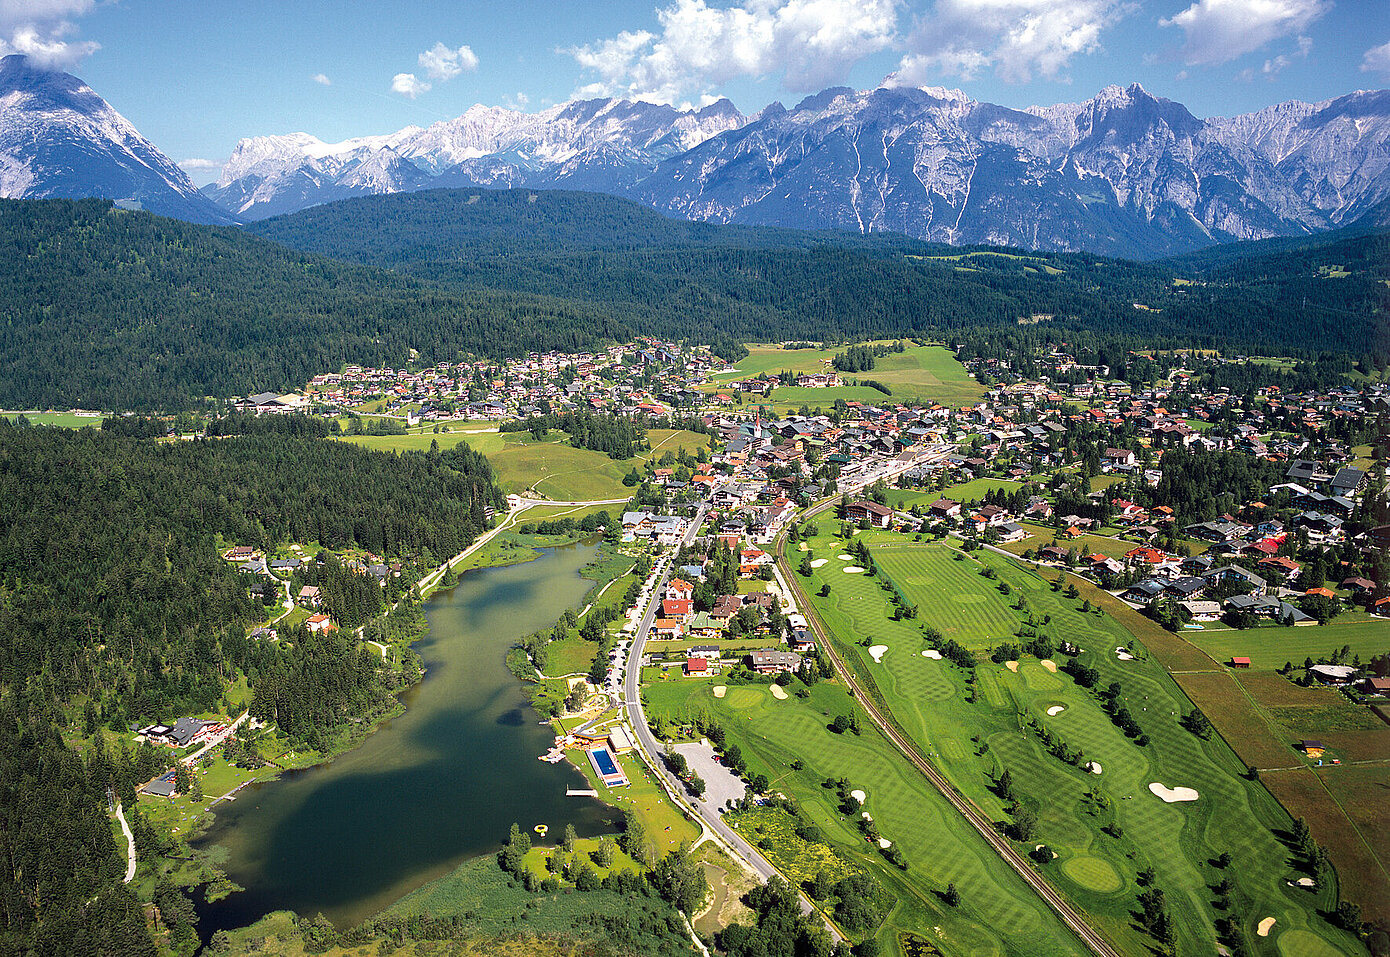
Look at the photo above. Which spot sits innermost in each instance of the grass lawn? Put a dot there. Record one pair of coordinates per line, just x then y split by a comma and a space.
551, 467
1366, 635
997, 914
918, 374
930, 701
667, 827
970, 491
66, 420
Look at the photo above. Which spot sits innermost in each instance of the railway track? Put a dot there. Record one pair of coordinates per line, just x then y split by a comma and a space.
1075, 922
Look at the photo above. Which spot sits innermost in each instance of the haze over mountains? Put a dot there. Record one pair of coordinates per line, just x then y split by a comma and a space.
1123, 173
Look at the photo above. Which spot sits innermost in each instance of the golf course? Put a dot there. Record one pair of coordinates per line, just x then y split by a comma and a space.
1155, 808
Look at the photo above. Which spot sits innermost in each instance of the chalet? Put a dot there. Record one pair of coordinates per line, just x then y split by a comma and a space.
239, 553
1119, 458
1202, 609
667, 627
1187, 588
1228, 574
310, 595
725, 607
320, 623
1144, 592
1012, 532
1333, 674
702, 625
679, 588
768, 661
944, 508
697, 666
879, 516
708, 652
679, 609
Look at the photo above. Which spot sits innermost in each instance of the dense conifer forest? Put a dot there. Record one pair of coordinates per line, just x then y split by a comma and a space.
109, 308
113, 585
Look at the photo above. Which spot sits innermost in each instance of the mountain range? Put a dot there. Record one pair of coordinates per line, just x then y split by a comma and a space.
59, 138
1123, 173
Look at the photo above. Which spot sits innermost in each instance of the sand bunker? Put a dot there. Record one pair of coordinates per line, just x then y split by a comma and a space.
1171, 795
1055, 710
884, 843
877, 652
852, 569
1012, 666
932, 653
1306, 882
1038, 847
866, 815
777, 692
845, 558
1049, 664
1265, 925
720, 690
819, 562
1094, 768
858, 795
1123, 655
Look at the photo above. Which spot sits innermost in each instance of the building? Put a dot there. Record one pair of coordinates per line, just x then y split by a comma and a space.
697, 666
878, 516
769, 661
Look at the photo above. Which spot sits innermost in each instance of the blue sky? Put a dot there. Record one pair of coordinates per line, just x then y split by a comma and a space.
196, 77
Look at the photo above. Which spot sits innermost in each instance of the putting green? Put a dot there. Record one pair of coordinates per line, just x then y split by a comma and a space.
967, 599
1093, 874
741, 699
1305, 943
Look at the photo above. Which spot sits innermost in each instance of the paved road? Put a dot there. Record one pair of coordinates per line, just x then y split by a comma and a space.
967, 808
709, 813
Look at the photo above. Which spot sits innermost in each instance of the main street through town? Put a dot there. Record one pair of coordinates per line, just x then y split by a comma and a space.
709, 813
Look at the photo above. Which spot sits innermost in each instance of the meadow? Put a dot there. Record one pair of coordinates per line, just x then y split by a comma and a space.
550, 467
791, 742
918, 374
1107, 827
1366, 635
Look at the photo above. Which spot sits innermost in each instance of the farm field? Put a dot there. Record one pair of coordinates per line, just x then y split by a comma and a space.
1366, 635
1347, 813
918, 374
1013, 709
551, 467
997, 914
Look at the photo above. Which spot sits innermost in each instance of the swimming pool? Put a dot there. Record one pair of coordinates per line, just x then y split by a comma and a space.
606, 766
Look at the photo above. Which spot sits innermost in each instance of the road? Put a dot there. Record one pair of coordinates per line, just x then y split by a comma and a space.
653, 751
967, 808
130, 846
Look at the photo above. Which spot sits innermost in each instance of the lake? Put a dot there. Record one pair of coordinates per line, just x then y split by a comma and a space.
440, 783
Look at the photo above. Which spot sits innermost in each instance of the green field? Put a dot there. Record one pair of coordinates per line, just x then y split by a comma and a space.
929, 700
918, 374
67, 420
1366, 635
997, 913
970, 491
550, 467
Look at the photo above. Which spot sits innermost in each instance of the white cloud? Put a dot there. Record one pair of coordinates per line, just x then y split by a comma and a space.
321, 79
1218, 31
1016, 38
1276, 65
36, 28
198, 165
442, 63
1377, 60
407, 85
809, 43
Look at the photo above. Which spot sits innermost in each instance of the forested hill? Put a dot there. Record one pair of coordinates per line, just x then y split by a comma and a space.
111, 309
676, 278
115, 607
114, 309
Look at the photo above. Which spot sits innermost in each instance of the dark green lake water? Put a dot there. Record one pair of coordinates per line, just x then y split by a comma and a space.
438, 784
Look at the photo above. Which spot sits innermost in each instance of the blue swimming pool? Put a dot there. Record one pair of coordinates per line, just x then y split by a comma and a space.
604, 762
